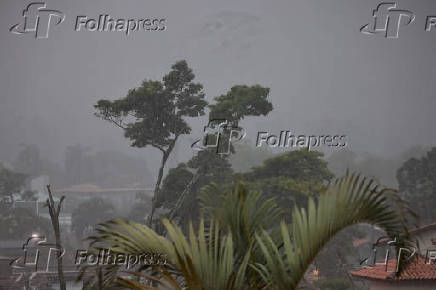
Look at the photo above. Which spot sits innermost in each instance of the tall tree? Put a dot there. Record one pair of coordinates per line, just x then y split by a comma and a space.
240, 102
153, 114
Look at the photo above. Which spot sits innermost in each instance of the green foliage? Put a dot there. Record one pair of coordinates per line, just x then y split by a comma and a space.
173, 184
204, 258
90, 213
417, 183
288, 192
210, 258
301, 165
349, 201
209, 167
244, 213
290, 177
296, 176
152, 114
241, 101
212, 166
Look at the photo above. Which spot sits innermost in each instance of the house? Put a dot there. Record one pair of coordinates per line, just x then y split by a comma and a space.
418, 273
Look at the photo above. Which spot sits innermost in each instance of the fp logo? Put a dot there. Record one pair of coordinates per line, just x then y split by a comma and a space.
388, 20
219, 134
34, 250
37, 19
406, 253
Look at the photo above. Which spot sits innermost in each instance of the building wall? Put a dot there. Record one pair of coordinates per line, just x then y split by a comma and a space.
416, 285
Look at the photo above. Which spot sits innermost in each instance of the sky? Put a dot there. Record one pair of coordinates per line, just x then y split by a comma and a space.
325, 76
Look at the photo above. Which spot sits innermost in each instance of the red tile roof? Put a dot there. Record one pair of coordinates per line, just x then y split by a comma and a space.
418, 269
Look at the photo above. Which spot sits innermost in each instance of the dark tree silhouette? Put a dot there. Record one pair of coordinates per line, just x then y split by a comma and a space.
153, 114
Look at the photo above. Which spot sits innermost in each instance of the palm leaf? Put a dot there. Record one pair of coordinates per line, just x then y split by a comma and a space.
233, 251
348, 201
242, 213
205, 261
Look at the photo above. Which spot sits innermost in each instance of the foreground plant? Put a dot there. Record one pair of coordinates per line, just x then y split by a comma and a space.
236, 248
349, 201
204, 258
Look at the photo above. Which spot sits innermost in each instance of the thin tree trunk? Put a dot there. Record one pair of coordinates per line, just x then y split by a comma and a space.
54, 215
165, 156
183, 195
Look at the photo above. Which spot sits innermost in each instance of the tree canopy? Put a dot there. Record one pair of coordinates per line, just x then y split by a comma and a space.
417, 183
153, 114
290, 177
241, 101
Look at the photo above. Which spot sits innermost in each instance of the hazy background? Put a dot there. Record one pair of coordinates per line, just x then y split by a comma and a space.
325, 76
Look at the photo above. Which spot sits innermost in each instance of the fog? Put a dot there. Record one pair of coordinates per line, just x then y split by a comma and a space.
325, 76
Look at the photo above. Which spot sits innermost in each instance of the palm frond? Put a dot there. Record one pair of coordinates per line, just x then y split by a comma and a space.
237, 249
240, 212
243, 213
348, 201
205, 261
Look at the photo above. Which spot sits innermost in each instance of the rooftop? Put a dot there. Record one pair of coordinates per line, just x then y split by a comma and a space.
418, 269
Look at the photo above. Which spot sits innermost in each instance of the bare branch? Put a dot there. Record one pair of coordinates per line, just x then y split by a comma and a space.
60, 205
118, 123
